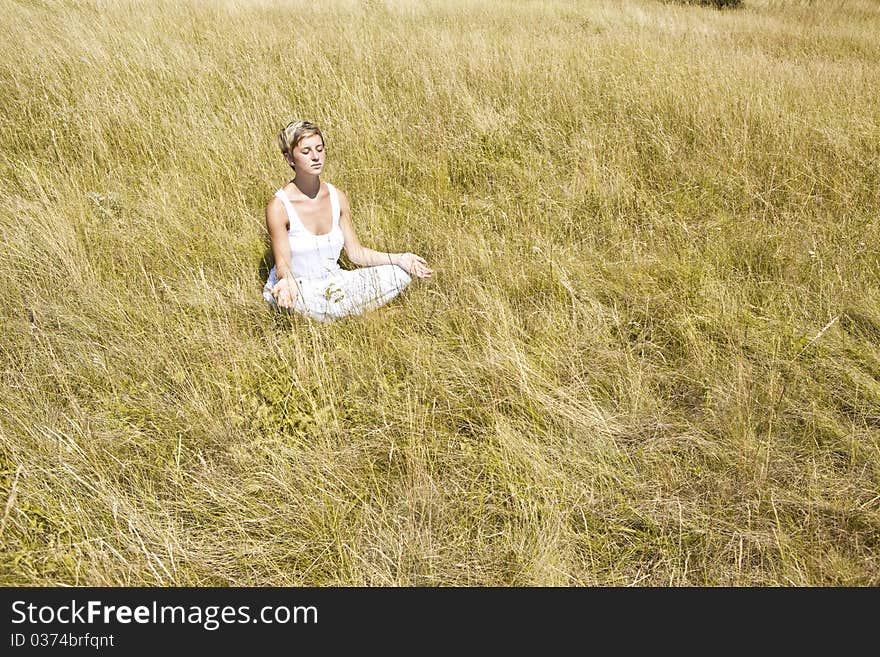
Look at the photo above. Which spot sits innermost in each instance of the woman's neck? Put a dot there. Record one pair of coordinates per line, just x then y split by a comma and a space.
308, 184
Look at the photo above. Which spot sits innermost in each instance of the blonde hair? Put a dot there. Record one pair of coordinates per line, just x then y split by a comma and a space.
294, 132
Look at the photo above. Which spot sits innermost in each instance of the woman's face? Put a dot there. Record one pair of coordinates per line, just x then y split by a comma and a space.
308, 155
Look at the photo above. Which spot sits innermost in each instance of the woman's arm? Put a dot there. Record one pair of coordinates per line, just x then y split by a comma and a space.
276, 223
364, 257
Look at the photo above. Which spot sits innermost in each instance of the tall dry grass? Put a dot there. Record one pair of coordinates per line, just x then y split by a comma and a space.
650, 354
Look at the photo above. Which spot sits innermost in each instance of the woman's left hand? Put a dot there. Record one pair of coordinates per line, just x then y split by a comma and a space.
414, 265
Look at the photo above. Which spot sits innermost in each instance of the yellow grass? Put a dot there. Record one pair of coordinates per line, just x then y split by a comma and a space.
650, 354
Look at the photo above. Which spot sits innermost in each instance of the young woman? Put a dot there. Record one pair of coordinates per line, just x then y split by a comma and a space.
309, 224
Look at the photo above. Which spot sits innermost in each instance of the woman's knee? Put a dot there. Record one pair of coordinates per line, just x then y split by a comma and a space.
400, 276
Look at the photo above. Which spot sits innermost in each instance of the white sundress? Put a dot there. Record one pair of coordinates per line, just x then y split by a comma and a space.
326, 290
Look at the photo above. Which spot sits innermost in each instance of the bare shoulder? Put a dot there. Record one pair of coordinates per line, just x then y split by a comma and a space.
343, 199
275, 211
274, 206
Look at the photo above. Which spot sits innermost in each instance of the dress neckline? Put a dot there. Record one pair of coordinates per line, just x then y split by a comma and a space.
289, 204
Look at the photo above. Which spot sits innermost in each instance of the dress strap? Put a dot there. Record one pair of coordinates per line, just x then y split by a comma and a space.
292, 217
334, 204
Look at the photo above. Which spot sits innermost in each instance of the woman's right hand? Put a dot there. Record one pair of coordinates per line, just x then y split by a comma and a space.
284, 293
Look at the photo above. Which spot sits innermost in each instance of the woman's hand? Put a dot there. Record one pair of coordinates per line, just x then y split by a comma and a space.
414, 265
285, 293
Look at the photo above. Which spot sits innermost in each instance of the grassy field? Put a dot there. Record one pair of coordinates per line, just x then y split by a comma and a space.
649, 355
